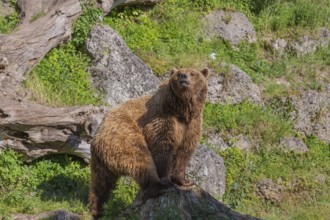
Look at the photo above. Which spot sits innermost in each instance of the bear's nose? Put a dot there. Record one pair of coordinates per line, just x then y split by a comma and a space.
183, 76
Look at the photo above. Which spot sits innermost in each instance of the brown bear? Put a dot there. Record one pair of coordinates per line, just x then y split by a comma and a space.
151, 138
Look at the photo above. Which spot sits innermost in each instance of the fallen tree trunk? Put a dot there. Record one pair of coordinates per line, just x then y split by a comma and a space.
36, 130
44, 25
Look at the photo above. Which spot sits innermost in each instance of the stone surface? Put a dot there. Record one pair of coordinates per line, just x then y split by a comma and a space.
304, 45
231, 26
207, 170
268, 191
185, 204
312, 113
57, 214
242, 142
233, 87
294, 144
215, 140
115, 70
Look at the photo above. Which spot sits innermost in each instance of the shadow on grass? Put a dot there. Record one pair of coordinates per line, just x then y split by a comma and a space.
65, 188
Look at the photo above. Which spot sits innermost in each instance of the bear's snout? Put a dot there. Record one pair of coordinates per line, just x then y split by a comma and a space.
183, 79
183, 76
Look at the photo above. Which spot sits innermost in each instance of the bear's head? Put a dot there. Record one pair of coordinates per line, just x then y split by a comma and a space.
190, 83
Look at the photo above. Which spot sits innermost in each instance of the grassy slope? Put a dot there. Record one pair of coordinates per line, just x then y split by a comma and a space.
170, 35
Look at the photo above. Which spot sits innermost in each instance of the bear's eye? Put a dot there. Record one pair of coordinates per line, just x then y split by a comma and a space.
193, 74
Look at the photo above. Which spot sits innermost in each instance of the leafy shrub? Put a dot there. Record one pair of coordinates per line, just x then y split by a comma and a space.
8, 23
83, 25
122, 196
61, 78
239, 167
299, 13
46, 184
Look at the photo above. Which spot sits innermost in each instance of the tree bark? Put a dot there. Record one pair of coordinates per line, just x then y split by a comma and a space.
37, 130
44, 25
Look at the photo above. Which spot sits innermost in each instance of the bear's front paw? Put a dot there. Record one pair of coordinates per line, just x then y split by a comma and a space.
182, 182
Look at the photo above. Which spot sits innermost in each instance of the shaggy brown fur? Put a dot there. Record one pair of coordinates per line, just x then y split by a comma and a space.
151, 138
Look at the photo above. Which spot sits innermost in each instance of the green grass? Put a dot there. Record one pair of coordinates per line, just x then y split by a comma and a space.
8, 23
61, 79
305, 196
53, 182
47, 184
256, 122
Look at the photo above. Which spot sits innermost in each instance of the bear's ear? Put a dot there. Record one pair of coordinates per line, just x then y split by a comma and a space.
174, 70
205, 72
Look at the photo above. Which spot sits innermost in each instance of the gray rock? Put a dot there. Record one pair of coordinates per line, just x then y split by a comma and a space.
208, 171
231, 26
233, 88
280, 46
304, 45
242, 142
214, 140
181, 204
294, 144
312, 113
115, 70
268, 191
308, 44
57, 214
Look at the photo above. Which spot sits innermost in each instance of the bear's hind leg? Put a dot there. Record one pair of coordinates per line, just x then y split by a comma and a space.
103, 182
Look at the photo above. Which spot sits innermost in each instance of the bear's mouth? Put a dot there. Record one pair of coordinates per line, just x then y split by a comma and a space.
184, 83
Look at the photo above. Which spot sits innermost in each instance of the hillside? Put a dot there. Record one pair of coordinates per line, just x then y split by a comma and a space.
266, 131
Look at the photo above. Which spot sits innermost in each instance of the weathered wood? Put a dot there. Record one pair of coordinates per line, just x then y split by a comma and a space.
44, 25
36, 130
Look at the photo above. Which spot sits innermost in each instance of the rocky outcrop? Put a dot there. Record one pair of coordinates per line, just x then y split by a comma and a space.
179, 203
304, 45
207, 170
242, 142
294, 144
115, 70
308, 44
214, 139
233, 87
312, 113
57, 214
268, 191
231, 26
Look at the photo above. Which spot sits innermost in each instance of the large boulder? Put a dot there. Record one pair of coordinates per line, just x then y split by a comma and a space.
231, 26
233, 87
115, 70
185, 204
207, 170
312, 113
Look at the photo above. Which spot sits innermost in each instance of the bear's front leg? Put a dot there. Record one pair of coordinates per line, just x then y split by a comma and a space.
180, 163
162, 163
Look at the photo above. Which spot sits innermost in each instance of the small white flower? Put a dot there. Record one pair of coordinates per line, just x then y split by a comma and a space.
212, 56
